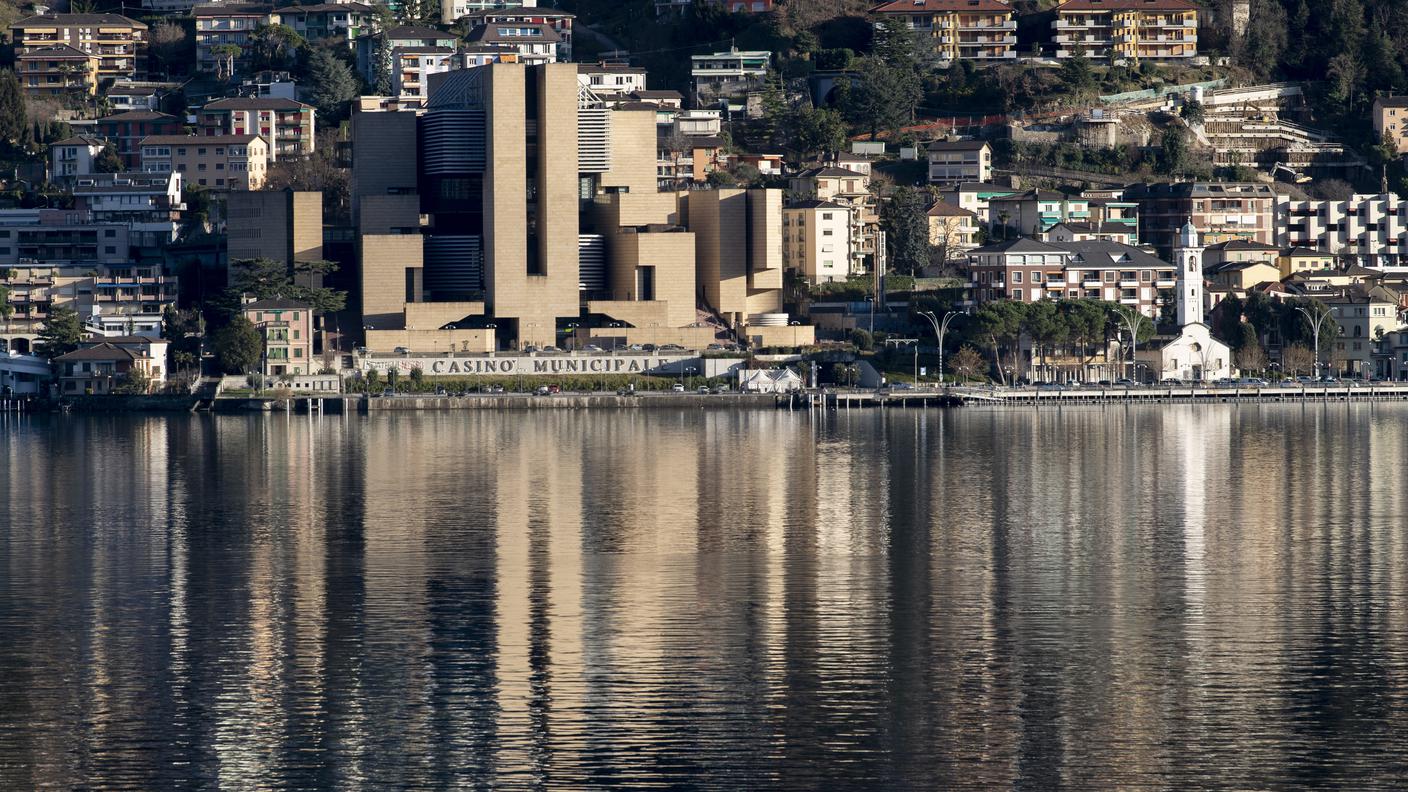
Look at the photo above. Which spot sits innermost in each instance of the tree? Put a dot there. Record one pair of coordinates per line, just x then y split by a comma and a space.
373, 381
183, 330
267, 279
108, 161
862, 339
906, 223
238, 346
417, 377
274, 47
136, 383
818, 130
965, 363
1086, 324
1297, 359
1251, 358
885, 100
1076, 74
1000, 323
331, 85
12, 111
424, 13
1046, 324
1346, 76
318, 172
225, 56
170, 46
6, 310
1193, 112
1264, 49
1173, 151
61, 333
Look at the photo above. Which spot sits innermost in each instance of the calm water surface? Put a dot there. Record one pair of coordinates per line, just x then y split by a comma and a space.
1197, 597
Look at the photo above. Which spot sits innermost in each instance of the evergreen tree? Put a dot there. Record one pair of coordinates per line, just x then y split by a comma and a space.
238, 346
13, 126
1267, 43
331, 84
60, 334
108, 161
906, 223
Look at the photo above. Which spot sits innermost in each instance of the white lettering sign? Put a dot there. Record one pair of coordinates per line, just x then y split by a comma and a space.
513, 366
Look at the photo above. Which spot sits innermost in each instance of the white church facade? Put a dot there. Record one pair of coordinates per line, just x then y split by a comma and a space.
1194, 355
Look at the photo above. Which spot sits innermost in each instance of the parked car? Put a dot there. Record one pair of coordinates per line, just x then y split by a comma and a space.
542, 390
636, 348
720, 389
649, 348
1125, 382
440, 390
1051, 386
402, 351
703, 389
495, 389
388, 392
678, 387
671, 348
592, 348
554, 389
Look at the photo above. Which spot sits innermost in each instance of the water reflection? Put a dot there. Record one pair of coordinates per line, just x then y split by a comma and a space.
1091, 598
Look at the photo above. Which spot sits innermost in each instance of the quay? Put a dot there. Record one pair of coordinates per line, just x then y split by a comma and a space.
1037, 397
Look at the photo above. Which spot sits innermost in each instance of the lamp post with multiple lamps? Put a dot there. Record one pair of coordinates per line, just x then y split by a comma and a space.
940, 330
1317, 321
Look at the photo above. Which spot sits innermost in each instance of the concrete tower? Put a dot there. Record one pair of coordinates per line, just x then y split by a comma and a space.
1188, 257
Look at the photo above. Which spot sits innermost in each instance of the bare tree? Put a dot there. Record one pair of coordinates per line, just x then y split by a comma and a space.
1251, 358
1297, 358
966, 363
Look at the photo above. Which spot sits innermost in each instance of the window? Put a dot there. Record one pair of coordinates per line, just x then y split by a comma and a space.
1017, 294
1017, 276
1109, 276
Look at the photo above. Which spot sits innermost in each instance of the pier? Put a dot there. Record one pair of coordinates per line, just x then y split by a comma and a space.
1038, 397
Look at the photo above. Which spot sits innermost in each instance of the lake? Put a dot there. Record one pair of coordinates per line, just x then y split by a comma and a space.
1176, 597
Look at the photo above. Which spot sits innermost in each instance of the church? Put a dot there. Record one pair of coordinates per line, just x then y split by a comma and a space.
1193, 355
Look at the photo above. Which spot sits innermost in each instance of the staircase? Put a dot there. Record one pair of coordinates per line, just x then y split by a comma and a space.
206, 390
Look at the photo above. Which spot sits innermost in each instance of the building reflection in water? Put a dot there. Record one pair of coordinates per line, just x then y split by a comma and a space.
1187, 596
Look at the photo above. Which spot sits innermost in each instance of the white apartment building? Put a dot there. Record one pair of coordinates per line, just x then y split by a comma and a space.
610, 80
816, 240
411, 68
727, 75
954, 162
1373, 228
73, 157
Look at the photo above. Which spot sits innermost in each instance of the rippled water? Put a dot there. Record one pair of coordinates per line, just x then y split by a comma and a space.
1182, 597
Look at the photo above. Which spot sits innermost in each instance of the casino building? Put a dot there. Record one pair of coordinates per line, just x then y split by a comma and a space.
516, 209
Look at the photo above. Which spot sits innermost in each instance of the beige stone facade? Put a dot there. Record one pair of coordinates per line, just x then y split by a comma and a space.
541, 219
281, 225
221, 162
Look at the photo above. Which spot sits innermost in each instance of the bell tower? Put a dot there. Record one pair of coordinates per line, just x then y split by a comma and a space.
1188, 258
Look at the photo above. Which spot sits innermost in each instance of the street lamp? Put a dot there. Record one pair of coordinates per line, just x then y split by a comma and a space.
1317, 320
1132, 320
940, 330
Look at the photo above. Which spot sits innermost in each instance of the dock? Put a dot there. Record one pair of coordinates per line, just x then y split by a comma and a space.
1038, 397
